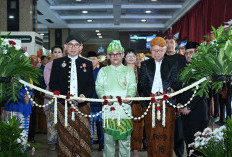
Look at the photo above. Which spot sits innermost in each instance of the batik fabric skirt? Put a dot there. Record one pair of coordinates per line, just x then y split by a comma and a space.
160, 140
75, 139
137, 133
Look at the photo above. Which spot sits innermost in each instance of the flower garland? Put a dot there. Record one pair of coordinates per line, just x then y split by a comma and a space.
165, 97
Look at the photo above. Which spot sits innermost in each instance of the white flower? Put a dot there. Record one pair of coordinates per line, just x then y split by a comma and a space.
223, 127
207, 131
4, 51
17, 47
19, 140
26, 54
197, 134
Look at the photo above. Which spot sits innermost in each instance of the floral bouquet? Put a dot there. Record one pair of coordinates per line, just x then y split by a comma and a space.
216, 143
14, 65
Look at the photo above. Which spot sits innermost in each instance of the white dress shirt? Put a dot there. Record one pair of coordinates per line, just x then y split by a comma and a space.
157, 85
73, 77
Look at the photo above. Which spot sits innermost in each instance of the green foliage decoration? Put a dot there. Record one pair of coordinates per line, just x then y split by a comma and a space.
14, 65
213, 61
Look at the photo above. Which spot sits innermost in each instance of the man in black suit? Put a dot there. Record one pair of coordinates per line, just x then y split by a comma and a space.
181, 62
194, 115
73, 75
159, 74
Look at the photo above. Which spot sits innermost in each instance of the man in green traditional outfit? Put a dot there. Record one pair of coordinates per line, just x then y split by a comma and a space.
112, 81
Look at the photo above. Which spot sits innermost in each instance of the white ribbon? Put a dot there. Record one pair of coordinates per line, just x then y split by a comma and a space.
153, 115
164, 112
66, 113
55, 110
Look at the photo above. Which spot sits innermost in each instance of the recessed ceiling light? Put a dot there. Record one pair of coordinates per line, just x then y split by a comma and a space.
41, 34
99, 36
98, 33
89, 20
148, 11
153, 0
78, 0
11, 16
85, 12
143, 20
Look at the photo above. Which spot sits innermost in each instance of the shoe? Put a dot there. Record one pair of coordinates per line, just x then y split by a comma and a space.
52, 147
101, 147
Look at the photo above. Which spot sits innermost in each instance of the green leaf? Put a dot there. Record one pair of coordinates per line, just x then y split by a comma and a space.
228, 50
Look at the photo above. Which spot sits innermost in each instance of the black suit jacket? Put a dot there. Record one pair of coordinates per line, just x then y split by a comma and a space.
60, 77
168, 76
198, 106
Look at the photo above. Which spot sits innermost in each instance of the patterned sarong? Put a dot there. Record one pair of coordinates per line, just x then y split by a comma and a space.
137, 134
160, 140
75, 139
121, 132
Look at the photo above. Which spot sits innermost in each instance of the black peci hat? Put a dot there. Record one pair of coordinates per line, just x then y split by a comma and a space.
191, 45
72, 37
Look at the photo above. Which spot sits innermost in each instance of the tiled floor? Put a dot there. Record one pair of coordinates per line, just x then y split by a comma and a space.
42, 150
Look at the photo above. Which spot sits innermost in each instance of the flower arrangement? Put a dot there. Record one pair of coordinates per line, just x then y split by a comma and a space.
213, 60
14, 65
216, 143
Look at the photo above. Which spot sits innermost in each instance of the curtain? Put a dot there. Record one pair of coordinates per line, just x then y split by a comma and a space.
197, 21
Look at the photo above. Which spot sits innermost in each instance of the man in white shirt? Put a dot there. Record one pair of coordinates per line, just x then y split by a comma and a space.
159, 74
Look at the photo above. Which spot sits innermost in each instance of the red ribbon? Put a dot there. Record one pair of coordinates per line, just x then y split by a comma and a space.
68, 96
112, 109
165, 97
56, 92
105, 101
119, 100
73, 110
158, 108
153, 98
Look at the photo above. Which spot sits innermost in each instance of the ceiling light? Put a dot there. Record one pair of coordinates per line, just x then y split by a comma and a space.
85, 12
99, 36
89, 20
153, 0
78, 0
11, 17
148, 11
98, 33
41, 34
143, 20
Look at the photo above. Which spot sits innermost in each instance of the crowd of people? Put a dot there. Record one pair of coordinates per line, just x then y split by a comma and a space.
125, 74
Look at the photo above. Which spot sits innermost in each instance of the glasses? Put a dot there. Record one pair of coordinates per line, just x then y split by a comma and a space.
70, 45
130, 56
189, 52
115, 55
159, 51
